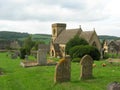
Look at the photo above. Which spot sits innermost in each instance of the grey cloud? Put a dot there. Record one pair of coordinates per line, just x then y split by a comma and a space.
16, 11
70, 4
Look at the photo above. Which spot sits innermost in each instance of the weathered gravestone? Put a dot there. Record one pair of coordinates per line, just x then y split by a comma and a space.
86, 67
42, 57
113, 86
26, 57
63, 70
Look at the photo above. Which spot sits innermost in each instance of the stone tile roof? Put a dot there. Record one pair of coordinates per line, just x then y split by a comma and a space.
87, 35
118, 42
66, 35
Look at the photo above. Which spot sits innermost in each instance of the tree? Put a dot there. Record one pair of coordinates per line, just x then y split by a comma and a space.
75, 42
36, 44
28, 44
22, 53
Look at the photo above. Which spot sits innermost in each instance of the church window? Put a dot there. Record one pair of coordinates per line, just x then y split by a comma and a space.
94, 44
54, 31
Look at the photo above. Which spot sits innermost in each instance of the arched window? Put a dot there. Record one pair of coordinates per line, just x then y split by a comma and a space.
94, 44
52, 53
54, 31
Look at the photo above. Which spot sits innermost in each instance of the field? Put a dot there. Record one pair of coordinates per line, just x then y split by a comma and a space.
42, 77
42, 37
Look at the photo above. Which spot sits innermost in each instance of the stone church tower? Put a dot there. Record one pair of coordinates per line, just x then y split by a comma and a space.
57, 28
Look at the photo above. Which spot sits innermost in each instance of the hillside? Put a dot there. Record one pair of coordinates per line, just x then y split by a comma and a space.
107, 37
6, 35
42, 37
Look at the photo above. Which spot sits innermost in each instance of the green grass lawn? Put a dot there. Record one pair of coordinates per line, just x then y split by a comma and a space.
42, 77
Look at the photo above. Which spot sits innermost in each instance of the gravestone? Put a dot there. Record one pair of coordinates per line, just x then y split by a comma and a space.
63, 70
26, 57
86, 67
113, 86
42, 57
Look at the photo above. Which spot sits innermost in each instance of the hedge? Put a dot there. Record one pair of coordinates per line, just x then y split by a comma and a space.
80, 51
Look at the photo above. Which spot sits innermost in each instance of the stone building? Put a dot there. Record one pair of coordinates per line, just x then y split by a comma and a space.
112, 46
4, 44
61, 35
7, 44
14, 44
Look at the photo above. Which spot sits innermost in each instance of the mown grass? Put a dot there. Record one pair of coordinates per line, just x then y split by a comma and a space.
42, 77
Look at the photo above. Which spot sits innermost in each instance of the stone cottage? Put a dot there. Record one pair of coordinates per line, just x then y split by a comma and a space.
112, 46
61, 35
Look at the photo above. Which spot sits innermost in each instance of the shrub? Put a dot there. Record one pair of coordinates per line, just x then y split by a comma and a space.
22, 53
106, 56
80, 51
75, 42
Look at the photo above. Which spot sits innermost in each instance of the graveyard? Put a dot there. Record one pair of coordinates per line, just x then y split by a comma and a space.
15, 77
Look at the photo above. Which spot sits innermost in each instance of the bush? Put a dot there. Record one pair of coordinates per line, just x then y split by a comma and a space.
75, 42
111, 55
22, 53
106, 56
80, 51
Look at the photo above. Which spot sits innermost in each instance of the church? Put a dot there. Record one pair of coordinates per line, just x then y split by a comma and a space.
61, 35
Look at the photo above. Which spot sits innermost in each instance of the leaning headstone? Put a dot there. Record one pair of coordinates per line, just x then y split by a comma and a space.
63, 70
113, 86
86, 67
42, 57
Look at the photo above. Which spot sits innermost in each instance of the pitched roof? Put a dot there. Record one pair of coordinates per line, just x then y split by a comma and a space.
118, 42
66, 35
86, 35
107, 42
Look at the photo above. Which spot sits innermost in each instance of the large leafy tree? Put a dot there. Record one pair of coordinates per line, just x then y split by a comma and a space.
28, 44
75, 42
37, 44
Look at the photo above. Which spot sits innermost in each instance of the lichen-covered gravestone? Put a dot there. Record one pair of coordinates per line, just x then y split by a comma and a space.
63, 70
86, 67
42, 57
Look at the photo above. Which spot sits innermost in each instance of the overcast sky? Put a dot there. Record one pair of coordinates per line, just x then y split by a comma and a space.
36, 16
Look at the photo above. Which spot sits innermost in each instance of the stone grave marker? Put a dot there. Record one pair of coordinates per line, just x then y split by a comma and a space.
113, 86
63, 70
86, 67
26, 57
42, 57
